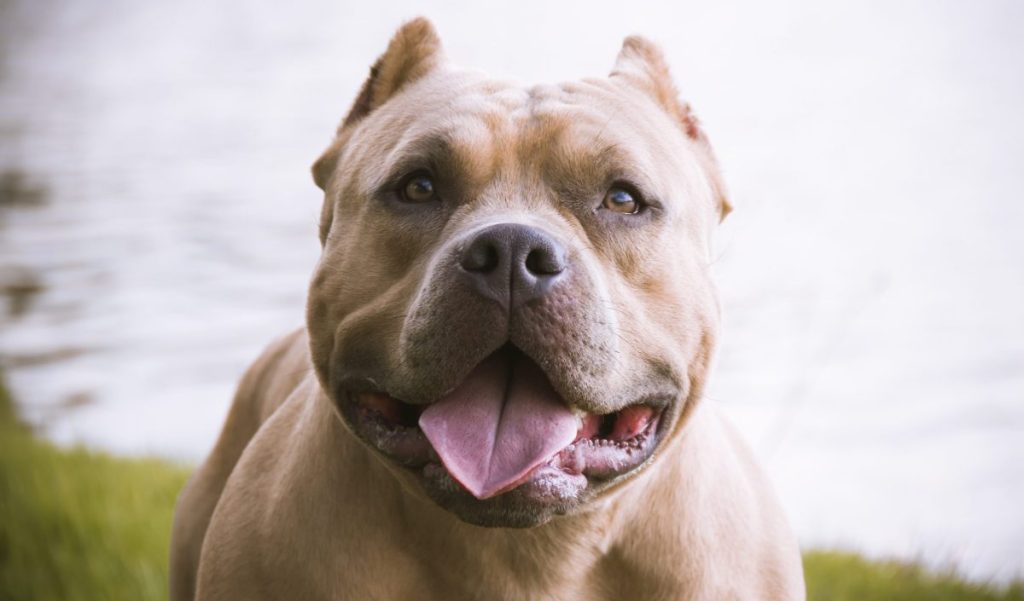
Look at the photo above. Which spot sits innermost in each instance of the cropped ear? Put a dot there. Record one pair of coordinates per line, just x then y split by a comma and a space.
642, 65
414, 51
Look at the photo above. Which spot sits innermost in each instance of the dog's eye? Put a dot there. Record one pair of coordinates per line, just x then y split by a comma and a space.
621, 200
418, 188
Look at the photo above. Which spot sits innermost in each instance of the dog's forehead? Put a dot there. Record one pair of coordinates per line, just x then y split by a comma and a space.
474, 114
560, 138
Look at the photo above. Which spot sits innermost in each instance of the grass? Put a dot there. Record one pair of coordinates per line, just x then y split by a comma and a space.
81, 525
842, 576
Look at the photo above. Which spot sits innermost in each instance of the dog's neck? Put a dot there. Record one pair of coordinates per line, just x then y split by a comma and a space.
581, 549
551, 556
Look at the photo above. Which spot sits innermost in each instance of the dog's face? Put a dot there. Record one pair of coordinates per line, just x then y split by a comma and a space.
513, 305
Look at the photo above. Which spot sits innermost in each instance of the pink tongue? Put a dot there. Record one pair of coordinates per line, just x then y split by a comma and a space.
498, 425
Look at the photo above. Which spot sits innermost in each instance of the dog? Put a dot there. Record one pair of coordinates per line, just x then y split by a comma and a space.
497, 391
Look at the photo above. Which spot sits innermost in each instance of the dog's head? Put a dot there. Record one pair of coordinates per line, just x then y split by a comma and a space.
513, 305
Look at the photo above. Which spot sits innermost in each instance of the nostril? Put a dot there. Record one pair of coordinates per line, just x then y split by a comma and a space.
481, 258
544, 261
511, 263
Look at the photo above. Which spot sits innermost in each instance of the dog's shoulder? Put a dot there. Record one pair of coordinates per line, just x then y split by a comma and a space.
748, 514
267, 383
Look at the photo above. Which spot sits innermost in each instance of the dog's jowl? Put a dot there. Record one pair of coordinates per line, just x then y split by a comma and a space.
497, 393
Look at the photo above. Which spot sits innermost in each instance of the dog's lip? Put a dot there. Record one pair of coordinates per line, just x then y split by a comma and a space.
595, 458
350, 384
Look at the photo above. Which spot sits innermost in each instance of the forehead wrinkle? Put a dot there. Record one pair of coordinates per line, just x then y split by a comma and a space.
462, 144
627, 121
581, 164
578, 138
541, 124
577, 168
472, 141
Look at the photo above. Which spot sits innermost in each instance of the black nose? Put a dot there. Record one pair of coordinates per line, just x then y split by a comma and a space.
512, 263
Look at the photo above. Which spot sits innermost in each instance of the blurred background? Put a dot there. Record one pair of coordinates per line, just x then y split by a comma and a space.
158, 226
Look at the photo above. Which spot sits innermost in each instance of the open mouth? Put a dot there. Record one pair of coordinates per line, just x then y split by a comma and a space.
505, 426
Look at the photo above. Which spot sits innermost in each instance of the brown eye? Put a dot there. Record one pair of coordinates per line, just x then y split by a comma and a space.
621, 201
418, 188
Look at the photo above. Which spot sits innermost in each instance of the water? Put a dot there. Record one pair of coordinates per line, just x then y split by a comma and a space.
158, 226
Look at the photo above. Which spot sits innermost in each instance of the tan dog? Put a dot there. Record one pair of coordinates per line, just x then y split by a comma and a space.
496, 395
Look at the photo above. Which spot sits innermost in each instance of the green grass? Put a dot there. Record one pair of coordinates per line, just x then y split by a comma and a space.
80, 525
842, 576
